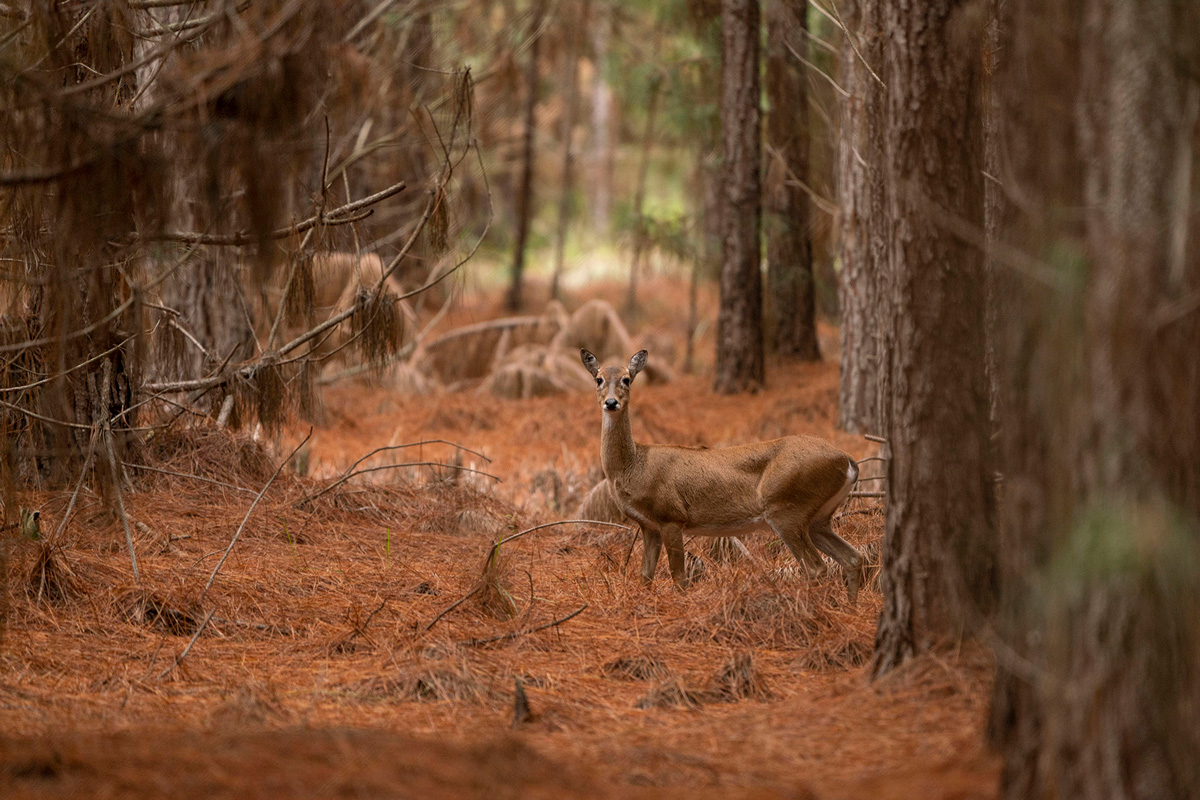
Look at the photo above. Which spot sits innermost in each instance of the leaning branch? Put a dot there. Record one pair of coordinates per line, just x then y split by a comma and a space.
246, 518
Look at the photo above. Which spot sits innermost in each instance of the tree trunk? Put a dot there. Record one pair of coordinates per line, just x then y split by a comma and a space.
639, 198
571, 73
601, 155
864, 291
1098, 687
938, 562
525, 190
739, 324
788, 212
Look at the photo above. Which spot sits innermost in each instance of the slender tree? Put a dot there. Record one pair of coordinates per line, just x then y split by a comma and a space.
1098, 687
938, 560
639, 196
788, 209
739, 324
571, 76
525, 189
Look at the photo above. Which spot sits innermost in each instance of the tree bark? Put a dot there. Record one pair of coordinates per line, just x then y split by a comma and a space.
525, 190
739, 324
788, 209
1098, 687
639, 198
938, 572
571, 73
601, 152
863, 291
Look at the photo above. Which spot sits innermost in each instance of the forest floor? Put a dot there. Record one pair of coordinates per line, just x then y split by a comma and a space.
331, 666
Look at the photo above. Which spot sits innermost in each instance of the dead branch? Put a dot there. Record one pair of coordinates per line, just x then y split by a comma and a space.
246, 518
349, 473
179, 658
561, 522
365, 470
516, 634
454, 605
338, 216
148, 468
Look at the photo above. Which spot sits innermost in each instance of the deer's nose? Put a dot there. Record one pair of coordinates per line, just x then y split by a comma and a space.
611, 405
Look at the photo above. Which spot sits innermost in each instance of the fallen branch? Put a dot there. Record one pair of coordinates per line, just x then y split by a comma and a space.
365, 470
454, 605
246, 518
349, 473
179, 658
515, 634
148, 468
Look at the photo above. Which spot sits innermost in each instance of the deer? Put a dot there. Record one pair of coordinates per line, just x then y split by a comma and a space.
790, 485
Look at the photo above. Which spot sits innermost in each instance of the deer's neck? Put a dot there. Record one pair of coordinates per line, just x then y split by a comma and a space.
617, 449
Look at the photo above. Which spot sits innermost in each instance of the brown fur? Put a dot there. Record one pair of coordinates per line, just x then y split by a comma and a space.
791, 484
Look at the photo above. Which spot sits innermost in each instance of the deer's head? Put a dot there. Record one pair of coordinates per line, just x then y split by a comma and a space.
612, 383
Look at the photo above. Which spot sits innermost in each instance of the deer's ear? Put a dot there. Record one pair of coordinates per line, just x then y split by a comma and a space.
637, 363
590, 362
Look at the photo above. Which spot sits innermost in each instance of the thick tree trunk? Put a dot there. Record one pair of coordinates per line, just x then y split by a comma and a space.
863, 291
1098, 688
938, 562
525, 190
571, 74
788, 209
739, 324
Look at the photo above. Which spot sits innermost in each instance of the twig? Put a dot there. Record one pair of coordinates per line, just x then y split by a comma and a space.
341, 215
365, 470
561, 522
116, 479
179, 659
872, 438
349, 473
188, 475
454, 605
867, 494
246, 518
514, 634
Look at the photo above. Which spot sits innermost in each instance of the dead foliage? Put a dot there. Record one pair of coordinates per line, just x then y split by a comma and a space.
146, 608
595, 325
737, 679
671, 693
458, 683
600, 504
51, 578
635, 668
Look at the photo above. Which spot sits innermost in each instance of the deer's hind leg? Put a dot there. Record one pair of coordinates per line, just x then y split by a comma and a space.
842, 552
791, 525
651, 546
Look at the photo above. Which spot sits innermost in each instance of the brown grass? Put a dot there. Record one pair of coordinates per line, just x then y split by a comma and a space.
317, 669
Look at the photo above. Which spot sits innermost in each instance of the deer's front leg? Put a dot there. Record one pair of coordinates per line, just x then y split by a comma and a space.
673, 538
651, 545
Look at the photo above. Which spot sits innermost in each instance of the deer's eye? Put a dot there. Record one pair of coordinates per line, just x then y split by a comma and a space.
599, 381
625, 381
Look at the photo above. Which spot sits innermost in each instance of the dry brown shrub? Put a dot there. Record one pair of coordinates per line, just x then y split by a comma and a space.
142, 607
596, 326
460, 683
635, 668
601, 504
737, 680
209, 452
496, 596
671, 693
471, 353
405, 379
51, 578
